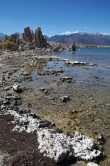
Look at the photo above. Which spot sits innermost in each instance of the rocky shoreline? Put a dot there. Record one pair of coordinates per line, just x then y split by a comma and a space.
34, 110
51, 144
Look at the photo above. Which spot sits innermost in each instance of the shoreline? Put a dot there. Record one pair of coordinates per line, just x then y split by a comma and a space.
56, 97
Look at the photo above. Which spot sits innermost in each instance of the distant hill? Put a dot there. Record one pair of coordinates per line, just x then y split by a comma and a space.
82, 39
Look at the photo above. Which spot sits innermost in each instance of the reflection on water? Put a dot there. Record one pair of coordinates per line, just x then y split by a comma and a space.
40, 66
37, 68
28, 68
99, 56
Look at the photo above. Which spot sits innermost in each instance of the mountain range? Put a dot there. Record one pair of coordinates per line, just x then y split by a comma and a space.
82, 39
86, 39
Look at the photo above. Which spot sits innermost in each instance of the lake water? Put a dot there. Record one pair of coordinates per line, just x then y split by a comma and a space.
98, 56
98, 75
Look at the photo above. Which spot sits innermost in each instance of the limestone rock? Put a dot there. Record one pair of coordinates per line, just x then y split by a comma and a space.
40, 40
17, 88
66, 79
65, 98
59, 146
28, 34
78, 63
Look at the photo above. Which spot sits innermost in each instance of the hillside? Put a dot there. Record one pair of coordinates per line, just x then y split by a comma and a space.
82, 39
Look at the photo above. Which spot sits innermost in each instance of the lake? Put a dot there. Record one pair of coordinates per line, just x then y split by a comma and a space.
98, 75
98, 56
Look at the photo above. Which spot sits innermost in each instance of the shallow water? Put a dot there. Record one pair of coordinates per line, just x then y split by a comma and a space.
98, 75
88, 92
99, 56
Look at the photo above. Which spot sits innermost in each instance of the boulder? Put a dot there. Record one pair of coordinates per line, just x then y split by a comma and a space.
17, 88
100, 139
59, 146
44, 90
66, 79
53, 144
73, 47
44, 123
78, 63
71, 62
65, 98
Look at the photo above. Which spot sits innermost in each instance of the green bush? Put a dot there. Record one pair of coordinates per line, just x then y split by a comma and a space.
9, 45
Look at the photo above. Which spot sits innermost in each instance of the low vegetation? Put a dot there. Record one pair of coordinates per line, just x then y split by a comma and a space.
9, 45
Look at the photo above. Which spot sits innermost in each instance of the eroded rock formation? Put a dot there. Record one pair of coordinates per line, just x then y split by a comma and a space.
28, 34
27, 40
40, 40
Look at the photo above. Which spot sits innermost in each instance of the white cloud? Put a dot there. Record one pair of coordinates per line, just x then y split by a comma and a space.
104, 33
68, 32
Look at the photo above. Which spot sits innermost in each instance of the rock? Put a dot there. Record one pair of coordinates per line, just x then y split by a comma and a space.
59, 146
7, 88
24, 122
100, 139
34, 116
77, 63
1, 101
74, 47
28, 34
6, 102
3, 79
44, 123
40, 40
54, 72
44, 90
12, 101
92, 164
52, 144
22, 111
17, 88
65, 98
67, 79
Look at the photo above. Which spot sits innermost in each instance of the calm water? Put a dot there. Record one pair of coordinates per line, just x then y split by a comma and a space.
95, 76
99, 56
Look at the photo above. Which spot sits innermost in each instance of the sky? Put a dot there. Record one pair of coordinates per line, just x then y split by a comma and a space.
55, 16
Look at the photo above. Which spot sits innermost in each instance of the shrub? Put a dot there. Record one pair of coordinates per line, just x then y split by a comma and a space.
9, 45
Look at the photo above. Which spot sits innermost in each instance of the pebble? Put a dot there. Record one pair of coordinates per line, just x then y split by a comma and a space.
65, 98
66, 79
17, 88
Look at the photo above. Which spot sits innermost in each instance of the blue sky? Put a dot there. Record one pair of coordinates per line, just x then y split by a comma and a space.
55, 16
